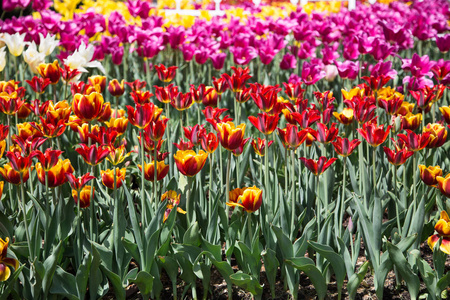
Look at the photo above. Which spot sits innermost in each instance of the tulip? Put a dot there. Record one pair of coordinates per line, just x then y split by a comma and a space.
443, 229
291, 137
190, 163
429, 174
265, 123
265, 102
50, 71
60, 110
415, 142
166, 74
165, 94
304, 119
155, 130
50, 127
173, 199
85, 196
93, 155
345, 117
397, 156
230, 137
195, 134
99, 81
373, 134
182, 101
259, 146
38, 85
325, 135
15, 42
143, 114
344, 147
18, 162
241, 97
444, 185
438, 135
136, 85
317, 167
236, 82
56, 175
117, 124
2, 58
220, 85
117, 155
445, 110
10, 104
6, 262
411, 122
48, 159
12, 176
210, 142
161, 169
239, 150
88, 107
116, 88
249, 199
108, 177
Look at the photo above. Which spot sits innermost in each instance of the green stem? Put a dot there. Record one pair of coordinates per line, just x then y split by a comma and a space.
93, 224
210, 200
318, 205
47, 215
27, 234
374, 171
342, 204
415, 181
266, 171
293, 215
188, 200
227, 196
80, 244
143, 203
155, 174
249, 228
396, 201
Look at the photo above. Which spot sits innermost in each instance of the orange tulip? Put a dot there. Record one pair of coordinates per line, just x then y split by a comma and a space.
149, 170
444, 185
438, 135
429, 175
6, 262
230, 137
249, 198
12, 176
57, 174
99, 81
85, 196
443, 229
190, 163
88, 107
108, 177
50, 71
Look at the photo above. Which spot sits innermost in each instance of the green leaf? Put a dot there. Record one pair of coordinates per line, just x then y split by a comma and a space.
247, 282
335, 260
119, 290
64, 284
6, 226
192, 236
307, 266
271, 265
356, 279
412, 280
82, 276
50, 265
96, 276
132, 248
144, 281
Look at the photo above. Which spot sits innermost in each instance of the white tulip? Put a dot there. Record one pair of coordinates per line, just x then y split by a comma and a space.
33, 57
2, 58
81, 59
47, 44
15, 43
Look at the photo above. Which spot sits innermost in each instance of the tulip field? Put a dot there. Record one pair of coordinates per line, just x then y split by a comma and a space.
273, 152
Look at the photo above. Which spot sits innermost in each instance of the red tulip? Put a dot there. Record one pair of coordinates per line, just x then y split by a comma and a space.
415, 142
94, 154
325, 135
166, 74
265, 123
317, 167
344, 147
373, 134
291, 137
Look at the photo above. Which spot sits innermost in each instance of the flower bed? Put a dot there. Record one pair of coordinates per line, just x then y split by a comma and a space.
137, 149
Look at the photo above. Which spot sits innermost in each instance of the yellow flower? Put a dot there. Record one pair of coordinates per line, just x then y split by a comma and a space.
6, 262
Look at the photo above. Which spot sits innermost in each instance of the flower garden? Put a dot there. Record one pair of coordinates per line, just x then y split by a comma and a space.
277, 151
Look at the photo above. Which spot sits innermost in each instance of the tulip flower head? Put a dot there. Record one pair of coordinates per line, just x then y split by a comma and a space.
250, 198
56, 175
230, 137
6, 262
116, 88
149, 170
317, 167
375, 135
166, 74
50, 71
443, 231
429, 174
344, 147
85, 196
190, 163
345, 117
265, 123
259, 146
291, 137
444, 185
15, 42
108, 177
438, 135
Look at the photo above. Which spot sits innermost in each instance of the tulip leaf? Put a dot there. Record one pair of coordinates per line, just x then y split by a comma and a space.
132, 248
308, 267
5, 226
335, 260
64, 284
82, 276
115, 281
356, 279
271, 266
134, 220
182, 183
50, 265
96, 276
144, 282
247, 282
412, 280
192, 236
